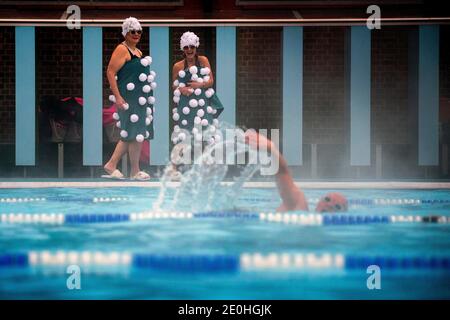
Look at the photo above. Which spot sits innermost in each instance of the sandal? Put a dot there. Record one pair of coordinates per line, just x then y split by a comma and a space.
141, 176
173, 174
115, 175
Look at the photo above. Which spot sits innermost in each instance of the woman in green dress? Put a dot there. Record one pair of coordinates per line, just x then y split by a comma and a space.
195, 113
132, 84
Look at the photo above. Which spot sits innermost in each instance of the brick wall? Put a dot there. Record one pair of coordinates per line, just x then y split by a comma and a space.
325, 113
389, 110
7, 85
59, 62
259, 77
259, 63
444, 91
444, 68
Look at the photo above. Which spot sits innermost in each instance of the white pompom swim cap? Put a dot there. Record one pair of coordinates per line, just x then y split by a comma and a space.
130, 24
189, 39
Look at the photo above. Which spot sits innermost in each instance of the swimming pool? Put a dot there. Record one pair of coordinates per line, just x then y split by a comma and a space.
127, 250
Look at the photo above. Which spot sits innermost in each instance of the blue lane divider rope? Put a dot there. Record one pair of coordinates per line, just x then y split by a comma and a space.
95, 218
360, 262
221, 263
14, 259
187, 263
354, 219
288, 218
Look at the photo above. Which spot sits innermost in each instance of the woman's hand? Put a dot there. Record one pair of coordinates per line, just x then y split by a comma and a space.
120, 102
186, 91
195, 84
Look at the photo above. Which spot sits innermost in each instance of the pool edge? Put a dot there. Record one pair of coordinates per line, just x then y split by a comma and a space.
249, 184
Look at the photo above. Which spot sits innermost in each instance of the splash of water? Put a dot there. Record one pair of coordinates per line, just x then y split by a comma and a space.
201, 187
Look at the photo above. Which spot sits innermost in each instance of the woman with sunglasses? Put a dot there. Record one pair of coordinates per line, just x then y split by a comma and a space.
132, 84
195, 113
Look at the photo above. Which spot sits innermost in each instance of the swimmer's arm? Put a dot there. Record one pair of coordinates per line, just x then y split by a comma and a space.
293, 198
117, 61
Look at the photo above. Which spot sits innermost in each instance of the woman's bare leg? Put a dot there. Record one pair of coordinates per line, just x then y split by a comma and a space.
119, 151
134, 150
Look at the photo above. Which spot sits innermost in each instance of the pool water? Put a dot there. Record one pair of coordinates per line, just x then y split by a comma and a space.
215, 237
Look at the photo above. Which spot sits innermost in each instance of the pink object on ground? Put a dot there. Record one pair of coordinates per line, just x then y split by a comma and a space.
145, 152
77, 99
108, 114
108, 120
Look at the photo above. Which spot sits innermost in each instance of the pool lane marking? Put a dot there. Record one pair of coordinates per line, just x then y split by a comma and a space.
306, 219
33, 218
217, 263
20, 200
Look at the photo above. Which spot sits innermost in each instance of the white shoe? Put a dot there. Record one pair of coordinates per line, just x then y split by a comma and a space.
173, 174
141, 176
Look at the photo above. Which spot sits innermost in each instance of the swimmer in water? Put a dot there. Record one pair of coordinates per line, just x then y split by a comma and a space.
293, 198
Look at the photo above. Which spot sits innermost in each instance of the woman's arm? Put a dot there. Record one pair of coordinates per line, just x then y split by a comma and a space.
176, 68
205, 63
116, 62
206, 84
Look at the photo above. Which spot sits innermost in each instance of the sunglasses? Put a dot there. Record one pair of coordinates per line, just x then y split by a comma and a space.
133, 32
188, 47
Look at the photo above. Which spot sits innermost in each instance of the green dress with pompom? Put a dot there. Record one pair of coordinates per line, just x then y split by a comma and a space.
203, 108
136, 83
